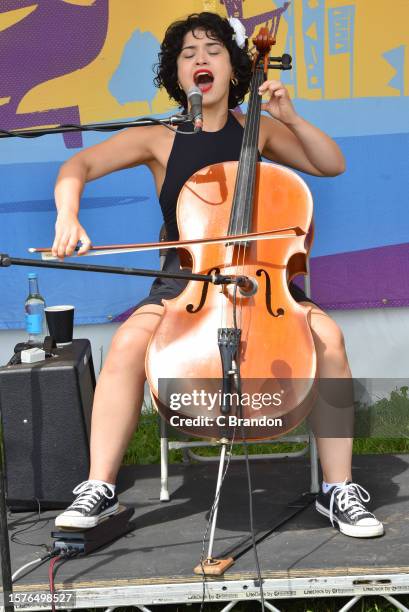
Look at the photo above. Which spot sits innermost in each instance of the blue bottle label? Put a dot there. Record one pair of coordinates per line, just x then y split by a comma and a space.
34, 323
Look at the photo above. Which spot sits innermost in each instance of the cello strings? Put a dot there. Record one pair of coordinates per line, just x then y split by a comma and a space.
243, 169
250, 161
241, 250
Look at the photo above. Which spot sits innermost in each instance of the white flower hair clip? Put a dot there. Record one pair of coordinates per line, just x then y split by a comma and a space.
239, 31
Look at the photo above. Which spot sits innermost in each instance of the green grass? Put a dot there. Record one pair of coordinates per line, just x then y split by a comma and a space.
382, 427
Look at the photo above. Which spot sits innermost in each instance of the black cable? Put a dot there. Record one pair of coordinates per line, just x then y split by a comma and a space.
246, 452
30, 528
253, 539
235, 305
101, 128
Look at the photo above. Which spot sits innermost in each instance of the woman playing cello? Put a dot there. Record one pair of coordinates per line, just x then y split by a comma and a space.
202, 50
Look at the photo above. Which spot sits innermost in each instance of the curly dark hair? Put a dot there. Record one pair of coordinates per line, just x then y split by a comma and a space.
217, 28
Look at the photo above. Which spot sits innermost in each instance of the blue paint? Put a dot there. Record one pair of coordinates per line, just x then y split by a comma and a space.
132, 217
289, 77
366, 206
358, 116
314, 49
341, 29
132, 80
396, 58
35, 206
34, 182
350, 117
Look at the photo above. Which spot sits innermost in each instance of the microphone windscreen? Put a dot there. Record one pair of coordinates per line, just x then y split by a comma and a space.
194, 90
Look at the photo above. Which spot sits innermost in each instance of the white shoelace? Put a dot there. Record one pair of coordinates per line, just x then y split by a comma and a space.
90, 493
351, 497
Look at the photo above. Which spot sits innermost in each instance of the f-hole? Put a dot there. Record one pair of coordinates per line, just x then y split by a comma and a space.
280, 311
190, 308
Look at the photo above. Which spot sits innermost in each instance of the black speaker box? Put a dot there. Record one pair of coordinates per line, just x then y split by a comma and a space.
46, 413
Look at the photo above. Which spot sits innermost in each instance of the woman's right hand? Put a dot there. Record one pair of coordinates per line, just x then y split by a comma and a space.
68, 231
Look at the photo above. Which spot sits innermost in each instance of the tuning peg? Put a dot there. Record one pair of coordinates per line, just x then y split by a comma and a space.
286, 60
280, 66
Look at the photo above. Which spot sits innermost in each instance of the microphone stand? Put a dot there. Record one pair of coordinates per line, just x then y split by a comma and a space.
4, 535
97, 127
216, 279
5, 260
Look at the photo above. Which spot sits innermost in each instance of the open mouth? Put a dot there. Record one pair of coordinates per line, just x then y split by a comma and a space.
203, 79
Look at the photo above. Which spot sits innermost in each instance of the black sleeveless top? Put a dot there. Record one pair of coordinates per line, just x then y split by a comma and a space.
188, 155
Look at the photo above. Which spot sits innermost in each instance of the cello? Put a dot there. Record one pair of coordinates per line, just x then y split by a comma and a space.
248, 340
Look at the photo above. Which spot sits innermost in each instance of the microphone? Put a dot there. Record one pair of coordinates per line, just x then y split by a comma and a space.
195, 97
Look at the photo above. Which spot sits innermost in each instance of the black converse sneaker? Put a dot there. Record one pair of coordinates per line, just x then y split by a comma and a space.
94, 502
345, 506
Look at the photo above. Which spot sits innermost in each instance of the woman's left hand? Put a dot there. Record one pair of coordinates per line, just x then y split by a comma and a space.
279, 106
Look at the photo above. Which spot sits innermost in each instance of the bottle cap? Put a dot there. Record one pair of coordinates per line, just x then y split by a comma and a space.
32, 275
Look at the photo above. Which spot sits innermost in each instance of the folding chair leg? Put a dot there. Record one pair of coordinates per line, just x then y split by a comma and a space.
186, 456
314, 485
164, 459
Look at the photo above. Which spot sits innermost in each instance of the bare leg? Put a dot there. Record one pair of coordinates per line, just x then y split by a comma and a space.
335, 452
119, 393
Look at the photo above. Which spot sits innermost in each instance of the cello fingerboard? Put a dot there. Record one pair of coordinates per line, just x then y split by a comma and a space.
242, 207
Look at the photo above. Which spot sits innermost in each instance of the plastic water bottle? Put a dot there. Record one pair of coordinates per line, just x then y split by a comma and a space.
34, 307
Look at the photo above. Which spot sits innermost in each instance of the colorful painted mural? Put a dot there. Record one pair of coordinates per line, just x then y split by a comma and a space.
83, 61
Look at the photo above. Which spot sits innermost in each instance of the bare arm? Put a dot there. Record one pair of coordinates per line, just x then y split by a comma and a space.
124, 150
293, 141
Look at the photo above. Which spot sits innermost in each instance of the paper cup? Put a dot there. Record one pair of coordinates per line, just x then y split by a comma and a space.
60, 322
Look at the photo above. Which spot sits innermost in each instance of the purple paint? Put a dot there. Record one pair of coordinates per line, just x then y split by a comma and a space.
371, 278
123, 316
55, 39
352, 274
234, 8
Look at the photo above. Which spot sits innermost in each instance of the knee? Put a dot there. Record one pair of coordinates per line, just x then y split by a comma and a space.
127, 348
330, 340
335, 340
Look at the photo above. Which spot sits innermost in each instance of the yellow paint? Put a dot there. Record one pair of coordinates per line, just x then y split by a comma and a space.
80, 2
4, 101
336, 73
312, 31
10, 18
302, 82
88, 87
212, 6
379, 27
